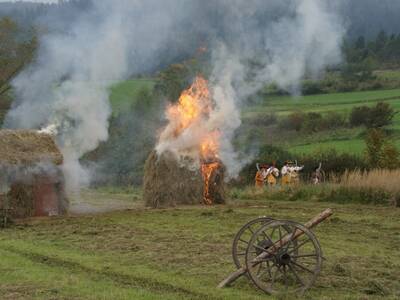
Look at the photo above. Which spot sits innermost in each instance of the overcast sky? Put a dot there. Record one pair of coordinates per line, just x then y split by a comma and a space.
41, 1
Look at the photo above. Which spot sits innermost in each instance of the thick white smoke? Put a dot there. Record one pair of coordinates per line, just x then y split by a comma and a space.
68, 86
67, 89
303, 40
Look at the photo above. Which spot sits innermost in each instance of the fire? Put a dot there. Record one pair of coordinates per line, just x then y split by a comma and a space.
207, 170
188, 116
193, 105
210, 147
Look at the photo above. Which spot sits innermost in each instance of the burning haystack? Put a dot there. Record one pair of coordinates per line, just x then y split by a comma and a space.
185, 167
31, 183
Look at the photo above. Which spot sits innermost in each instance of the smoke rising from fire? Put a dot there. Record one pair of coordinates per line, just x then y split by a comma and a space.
68, 85
304, 40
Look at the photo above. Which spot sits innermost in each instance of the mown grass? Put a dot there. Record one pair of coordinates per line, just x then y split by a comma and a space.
182, 253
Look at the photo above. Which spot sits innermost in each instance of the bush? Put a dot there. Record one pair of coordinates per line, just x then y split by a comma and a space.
380, 152
312, 88
359, 115
314, 122
372, 117
333, 163
335, 120
262, 120
294, 121
381, 115
266, 154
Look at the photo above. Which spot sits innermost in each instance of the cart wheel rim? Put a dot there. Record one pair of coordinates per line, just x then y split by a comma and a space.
290, 267
242, 238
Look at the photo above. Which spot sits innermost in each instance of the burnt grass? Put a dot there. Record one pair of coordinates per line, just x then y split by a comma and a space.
182, 253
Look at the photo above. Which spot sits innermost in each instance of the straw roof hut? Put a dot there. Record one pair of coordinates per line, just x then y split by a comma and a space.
31, 183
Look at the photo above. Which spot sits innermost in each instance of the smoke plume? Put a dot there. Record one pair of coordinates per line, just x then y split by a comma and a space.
68, 85
303, 40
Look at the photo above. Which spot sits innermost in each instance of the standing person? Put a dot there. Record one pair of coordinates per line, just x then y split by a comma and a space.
260, 175
294, 173
318, 175
272, 174
285, 171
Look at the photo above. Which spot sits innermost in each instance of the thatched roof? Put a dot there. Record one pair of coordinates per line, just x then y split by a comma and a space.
27, 147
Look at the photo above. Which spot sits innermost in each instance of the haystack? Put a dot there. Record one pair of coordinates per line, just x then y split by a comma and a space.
169, 183
31, 181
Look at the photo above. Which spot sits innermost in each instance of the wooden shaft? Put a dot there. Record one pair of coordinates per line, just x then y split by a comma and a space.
310, 224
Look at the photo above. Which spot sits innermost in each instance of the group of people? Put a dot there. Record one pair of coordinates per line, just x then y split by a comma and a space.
269, 174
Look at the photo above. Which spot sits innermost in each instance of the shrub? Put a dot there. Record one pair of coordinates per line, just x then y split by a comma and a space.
263, 120
266, 154
372, 117
381, 115
335, 120
380, 152
359, 115
314, 122
333, 163
294, 121
311, 88
374, 142
390, 158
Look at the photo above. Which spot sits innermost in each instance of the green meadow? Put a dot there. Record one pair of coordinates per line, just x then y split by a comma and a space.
343, 140
182, 253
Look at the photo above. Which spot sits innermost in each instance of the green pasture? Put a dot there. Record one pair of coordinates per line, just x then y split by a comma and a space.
125, 93
323, 103
182, 253
342, 103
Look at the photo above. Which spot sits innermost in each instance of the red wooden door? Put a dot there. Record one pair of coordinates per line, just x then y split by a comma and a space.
45, 199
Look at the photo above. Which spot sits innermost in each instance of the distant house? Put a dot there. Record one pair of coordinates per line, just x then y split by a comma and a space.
31, 183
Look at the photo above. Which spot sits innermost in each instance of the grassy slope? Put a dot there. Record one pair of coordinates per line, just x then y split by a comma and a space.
342, 140
125, 93
350, 140
183, 253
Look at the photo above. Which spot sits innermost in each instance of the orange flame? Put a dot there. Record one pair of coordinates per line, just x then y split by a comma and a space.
193, 104
207, 170
192, 109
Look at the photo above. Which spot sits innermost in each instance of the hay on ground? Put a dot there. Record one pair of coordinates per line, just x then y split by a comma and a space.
168, 183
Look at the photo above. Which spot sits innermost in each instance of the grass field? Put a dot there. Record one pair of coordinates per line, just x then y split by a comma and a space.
125, 93
346, 140
183, 253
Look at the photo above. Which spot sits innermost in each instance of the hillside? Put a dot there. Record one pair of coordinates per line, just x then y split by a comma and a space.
342, 139
126, 92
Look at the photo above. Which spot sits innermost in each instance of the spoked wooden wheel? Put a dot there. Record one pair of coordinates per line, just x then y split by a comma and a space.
243, 237
289, 264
